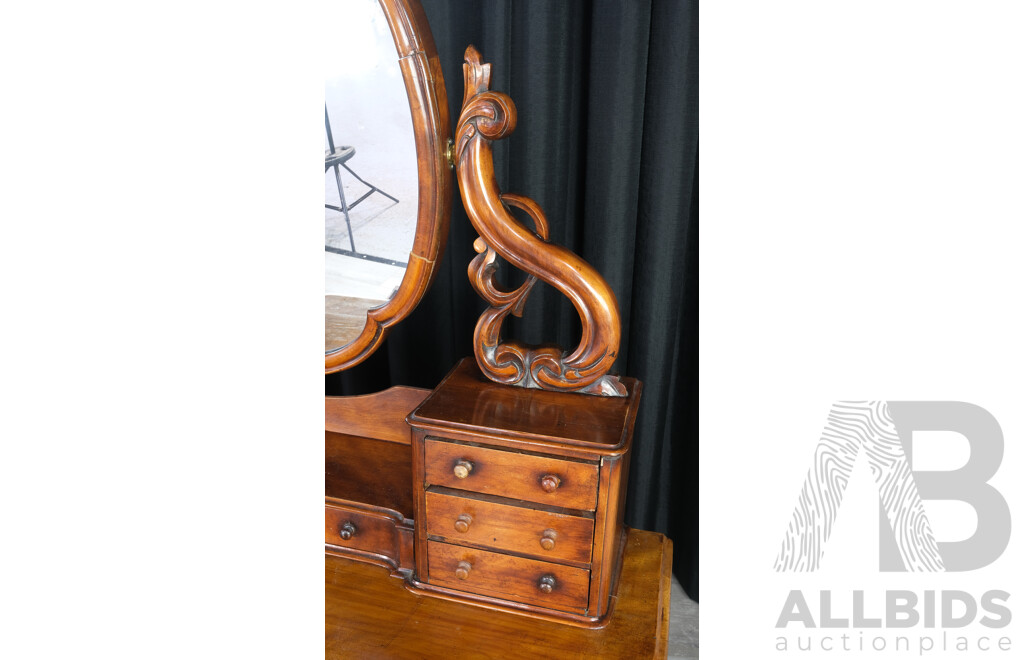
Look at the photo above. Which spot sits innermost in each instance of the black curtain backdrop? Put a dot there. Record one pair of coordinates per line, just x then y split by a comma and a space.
606, 143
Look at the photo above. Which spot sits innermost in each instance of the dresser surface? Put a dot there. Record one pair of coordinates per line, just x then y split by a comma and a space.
372, 615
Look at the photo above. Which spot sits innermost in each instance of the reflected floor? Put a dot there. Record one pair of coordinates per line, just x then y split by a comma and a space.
353, 286
345, 318
357, 278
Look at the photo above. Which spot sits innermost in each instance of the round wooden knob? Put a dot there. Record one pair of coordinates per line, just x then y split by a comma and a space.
462, 469
462, 570
547, 539
550, 483
347, 531
463, 522
547, 584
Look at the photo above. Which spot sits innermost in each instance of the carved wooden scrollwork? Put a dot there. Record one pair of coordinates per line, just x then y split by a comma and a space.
488, 116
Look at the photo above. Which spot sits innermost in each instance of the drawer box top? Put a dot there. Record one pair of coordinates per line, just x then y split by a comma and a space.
466, 400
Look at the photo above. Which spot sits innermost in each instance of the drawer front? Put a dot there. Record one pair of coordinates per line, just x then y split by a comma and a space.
549, 536
375, 534
509, 474
513, 578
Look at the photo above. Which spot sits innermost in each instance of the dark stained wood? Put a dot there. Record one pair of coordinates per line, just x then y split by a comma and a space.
368, 476
488, 116
419, 502
368, 471
366, 533
428, 103
513, 475
512, 528
505, 576
371, 615
608, 546
517, 492
467, 401
380, 415
558, 453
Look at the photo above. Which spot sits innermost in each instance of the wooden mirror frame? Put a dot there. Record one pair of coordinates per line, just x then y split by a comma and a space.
428, 104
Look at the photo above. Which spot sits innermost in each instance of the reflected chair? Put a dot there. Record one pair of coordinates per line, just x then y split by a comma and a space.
338, 157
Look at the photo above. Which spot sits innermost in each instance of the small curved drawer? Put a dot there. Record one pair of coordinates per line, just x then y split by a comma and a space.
550, 536
541, 479
351, 529
513, 578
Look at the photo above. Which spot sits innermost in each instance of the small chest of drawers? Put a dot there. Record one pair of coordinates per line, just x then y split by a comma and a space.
518, 495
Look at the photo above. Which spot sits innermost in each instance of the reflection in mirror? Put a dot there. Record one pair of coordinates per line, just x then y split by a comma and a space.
370, 171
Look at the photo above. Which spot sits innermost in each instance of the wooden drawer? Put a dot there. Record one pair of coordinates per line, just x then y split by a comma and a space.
551, 481
515, 528
511, 578
376, 534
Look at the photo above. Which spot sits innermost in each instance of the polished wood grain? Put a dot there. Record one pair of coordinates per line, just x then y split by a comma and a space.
513, 475
531, 452
380, 415
608, 519
468, 401
370, 615
517, 529
368, 470
504, 576
369, 533
428, 104
517, 492
368, 476
488, 116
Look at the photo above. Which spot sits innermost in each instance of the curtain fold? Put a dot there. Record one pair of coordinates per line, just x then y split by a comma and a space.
606, 143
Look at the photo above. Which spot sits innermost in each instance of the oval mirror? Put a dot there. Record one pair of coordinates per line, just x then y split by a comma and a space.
387, 176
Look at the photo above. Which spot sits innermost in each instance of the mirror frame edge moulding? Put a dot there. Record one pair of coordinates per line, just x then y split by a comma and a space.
428, 105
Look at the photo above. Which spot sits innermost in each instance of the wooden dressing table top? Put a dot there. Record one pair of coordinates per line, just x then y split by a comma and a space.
372, 615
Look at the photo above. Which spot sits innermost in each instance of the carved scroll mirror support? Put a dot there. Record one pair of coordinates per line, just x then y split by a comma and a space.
488, 116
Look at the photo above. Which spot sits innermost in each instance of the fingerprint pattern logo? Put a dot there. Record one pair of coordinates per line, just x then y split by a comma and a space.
854, 426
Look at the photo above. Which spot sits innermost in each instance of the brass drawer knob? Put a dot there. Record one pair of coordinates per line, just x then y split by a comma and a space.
462, 570
347, 531
547, 584
550, 483
547, 539
462, 469
463, 522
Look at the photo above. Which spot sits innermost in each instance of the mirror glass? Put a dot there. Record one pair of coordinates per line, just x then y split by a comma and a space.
370, 170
